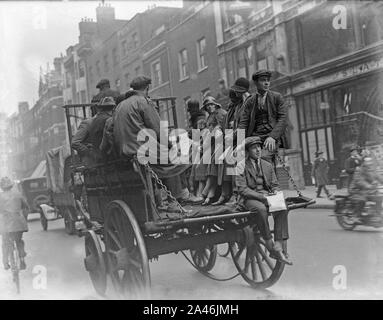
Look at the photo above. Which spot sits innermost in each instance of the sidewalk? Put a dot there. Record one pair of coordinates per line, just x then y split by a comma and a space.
321, 203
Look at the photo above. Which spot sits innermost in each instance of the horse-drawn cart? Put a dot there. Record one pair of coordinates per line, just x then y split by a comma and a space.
125, 230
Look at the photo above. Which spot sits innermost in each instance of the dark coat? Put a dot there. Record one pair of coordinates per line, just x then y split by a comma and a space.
12, 204
246, 182
320, 171
277, 112
82, 144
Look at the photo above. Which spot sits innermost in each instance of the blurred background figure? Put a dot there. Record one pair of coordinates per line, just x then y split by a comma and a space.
351, 163
320, 174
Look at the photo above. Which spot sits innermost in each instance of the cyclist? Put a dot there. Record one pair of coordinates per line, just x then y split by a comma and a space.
12, 221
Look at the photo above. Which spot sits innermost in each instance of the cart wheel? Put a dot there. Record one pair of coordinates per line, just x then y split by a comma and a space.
94, 262
44, 221
69, 222
204, 258
128, 263
252, 260
346, 222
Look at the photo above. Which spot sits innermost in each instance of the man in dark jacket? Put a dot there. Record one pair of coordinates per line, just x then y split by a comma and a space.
254, 184
105, 91
135, 115
89, 134
265, 116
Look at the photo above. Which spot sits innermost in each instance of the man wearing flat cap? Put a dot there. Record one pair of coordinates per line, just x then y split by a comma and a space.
265, 116
136, 114
104, 91
89, 134
258, 180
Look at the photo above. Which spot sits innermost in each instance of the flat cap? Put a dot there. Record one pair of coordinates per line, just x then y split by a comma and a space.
261, 73
209, 100
250, 141
241, 85
140, 82
318, 153
102, 82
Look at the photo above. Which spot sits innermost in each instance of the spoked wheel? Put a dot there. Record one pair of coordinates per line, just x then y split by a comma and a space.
128, 263
251, 258
346, 222
204, 258
94, 262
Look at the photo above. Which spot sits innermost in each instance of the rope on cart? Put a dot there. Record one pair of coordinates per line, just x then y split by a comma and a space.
207, 274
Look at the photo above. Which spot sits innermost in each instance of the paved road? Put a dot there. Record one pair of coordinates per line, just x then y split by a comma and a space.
317, 245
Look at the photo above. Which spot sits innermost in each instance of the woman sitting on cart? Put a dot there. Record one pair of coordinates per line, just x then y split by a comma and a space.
254, 184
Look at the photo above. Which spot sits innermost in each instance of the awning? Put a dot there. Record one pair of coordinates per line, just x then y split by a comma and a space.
40, 171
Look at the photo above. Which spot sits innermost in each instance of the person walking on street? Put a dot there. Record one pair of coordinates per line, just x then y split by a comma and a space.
12, 221
320, 173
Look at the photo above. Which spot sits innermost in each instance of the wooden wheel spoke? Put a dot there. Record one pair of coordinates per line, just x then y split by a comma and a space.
253, 269
247, 259
265, 257
114, 238
261, 266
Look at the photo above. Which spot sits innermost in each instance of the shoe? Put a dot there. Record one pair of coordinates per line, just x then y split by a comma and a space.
220, 201
319, 197
207, 202
331, 197
191, 199
173, 207
23, 265
280, 256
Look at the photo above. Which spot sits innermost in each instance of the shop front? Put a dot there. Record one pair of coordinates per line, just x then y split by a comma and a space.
341, 107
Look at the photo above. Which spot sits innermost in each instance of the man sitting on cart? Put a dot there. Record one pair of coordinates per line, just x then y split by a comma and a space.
12, 221
137, 113
254, 184
89, 134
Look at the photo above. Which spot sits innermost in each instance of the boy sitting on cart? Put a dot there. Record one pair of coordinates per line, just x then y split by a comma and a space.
254, 184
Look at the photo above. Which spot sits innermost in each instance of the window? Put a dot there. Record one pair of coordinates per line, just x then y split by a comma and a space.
201, 54
106, 64
135, 40
118, 83
115, 56
68, 79
83, 96
81, 69
183, 63
156, 73
98, 69
187, 119
137, 70
124, 47
127, 81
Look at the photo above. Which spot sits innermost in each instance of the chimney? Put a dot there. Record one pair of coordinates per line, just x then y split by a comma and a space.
105, 13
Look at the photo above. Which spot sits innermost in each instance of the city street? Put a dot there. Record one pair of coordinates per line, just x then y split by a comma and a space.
317, 245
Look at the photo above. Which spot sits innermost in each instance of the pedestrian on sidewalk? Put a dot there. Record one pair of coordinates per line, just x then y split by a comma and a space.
320, 173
